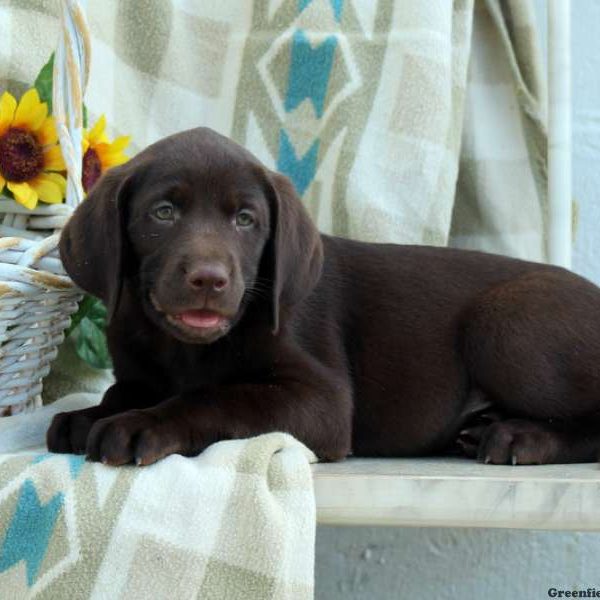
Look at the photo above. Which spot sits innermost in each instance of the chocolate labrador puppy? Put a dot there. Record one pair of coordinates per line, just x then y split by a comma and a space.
231, 316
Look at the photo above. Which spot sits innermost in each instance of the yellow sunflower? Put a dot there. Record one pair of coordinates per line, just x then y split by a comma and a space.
99, 154
29, 153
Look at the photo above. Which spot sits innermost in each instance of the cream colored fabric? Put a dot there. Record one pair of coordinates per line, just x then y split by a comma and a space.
362, 103
501, 199
235, 523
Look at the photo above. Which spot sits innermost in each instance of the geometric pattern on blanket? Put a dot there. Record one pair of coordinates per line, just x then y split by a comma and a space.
236, 522
369, 106
373, 155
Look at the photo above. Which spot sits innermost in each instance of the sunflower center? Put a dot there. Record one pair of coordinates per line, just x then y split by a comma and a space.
92, 169
21, 157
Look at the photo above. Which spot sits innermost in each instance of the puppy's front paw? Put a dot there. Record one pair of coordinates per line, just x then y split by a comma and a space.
136, 436
68, 431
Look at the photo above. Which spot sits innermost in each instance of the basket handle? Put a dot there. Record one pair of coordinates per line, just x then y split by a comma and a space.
70, 76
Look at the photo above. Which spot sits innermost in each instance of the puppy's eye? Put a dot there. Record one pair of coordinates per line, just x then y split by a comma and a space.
164, 212
245, 219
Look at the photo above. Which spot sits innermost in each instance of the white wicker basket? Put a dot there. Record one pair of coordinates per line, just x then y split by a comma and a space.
36, 297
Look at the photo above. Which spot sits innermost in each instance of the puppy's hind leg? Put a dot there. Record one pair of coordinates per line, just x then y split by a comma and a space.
533, 345
476, 418
528, 442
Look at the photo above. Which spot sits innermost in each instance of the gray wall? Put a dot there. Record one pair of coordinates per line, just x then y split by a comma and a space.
382, 563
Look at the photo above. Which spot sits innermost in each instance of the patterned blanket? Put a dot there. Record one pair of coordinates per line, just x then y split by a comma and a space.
237, 522
397, 120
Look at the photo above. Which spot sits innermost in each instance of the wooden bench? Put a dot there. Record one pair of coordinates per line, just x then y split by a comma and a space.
457, 493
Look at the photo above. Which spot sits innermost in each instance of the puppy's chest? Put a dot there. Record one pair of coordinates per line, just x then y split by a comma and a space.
194, 368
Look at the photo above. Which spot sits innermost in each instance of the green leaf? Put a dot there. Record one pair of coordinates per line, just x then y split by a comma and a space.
84, 308
97, 314
88, 329
43, 83
91, 345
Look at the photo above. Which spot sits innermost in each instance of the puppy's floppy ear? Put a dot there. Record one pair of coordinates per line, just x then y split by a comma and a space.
295, 247
92, 242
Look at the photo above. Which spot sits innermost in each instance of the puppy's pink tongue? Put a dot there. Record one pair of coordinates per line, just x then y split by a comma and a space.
200, 318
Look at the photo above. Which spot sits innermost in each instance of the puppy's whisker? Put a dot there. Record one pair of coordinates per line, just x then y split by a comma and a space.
255, 293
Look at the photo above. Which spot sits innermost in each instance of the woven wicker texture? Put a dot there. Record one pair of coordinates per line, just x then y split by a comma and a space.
36, 297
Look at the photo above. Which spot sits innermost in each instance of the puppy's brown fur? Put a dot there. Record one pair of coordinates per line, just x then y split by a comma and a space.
375, 349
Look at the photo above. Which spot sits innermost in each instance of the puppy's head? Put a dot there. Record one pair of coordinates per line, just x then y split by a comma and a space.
200, 229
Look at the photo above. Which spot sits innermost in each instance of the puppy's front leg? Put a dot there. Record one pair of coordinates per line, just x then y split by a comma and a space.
317, 412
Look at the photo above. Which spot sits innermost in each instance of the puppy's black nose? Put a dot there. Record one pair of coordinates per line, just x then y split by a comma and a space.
208, 277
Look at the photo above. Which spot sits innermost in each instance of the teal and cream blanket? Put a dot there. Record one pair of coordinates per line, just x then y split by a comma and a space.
407, 121
238, 521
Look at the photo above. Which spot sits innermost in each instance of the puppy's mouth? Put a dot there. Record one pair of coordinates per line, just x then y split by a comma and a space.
196, 325
198, 318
